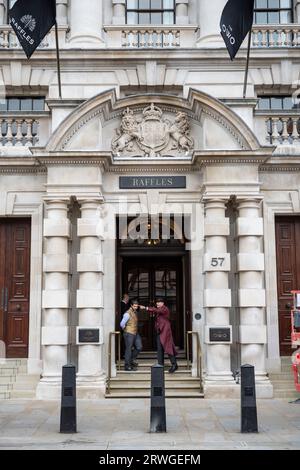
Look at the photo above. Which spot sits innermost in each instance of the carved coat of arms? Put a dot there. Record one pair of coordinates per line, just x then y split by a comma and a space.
152, 135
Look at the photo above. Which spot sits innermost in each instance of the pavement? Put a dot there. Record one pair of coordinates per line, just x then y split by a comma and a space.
123, 424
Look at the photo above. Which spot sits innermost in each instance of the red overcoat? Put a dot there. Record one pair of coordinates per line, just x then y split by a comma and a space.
163, 327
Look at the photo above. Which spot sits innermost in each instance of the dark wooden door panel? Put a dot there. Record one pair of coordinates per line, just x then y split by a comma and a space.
15, 280
288, 274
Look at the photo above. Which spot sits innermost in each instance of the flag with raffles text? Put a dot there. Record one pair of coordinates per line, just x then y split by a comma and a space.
32, 20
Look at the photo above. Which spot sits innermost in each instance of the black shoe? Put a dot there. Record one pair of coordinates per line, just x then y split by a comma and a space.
173, 368
128, 369
134, 364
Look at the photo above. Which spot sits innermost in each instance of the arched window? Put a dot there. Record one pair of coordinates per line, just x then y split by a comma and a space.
273, 11
150, 12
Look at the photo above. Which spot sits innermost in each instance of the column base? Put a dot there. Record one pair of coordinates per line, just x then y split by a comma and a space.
90, 387
212, 41
93, 42
227, 390
49, 388
87, 387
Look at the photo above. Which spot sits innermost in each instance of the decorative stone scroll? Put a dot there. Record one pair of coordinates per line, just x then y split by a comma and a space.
152, 135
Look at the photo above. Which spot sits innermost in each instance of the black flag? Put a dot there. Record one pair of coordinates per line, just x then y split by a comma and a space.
236, 22
32, 20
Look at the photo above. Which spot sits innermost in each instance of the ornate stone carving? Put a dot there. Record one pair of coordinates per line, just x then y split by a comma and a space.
152, 135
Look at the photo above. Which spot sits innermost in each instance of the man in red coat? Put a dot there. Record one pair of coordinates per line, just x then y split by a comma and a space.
165, 341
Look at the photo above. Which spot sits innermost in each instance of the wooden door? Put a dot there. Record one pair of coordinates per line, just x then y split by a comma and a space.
14, 285
288, 275
146, 280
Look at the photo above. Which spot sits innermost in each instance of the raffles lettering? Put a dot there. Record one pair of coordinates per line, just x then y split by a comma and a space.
227, 30
151, 182
22, 33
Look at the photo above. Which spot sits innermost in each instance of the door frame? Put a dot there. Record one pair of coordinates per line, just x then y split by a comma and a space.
185, 256
295, 219
272, 209
32, 208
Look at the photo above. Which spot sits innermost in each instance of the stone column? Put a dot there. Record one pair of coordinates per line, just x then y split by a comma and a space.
209, 20
3, 16
250, 265
217, 297
297, 11
119, 11
86, 22
55, 298
90, 377
182, 14
62, 12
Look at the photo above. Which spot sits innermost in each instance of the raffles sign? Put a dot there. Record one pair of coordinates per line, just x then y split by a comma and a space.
152, 182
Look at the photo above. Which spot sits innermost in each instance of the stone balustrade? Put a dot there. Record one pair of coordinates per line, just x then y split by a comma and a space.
148, 37
8, 38
274, 35
19, 131
283, 129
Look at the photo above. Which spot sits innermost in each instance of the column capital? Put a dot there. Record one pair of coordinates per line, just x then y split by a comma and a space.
249, 203
214, 200
90, 204
61, 203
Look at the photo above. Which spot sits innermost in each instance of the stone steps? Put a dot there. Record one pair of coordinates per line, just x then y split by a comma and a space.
14, 381
146, 394
137, 384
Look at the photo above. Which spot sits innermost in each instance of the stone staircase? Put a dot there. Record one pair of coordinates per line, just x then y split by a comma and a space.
283, 382
14, 381
136, 384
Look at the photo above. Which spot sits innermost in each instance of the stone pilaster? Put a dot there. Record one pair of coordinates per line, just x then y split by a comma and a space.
297, 11
119, 11
55, 298
86, 22
217, 298
182, 14
250, 265
3, 20
90, 377
62, 12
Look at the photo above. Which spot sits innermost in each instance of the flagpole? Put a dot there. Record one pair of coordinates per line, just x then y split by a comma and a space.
247, 64
58, 61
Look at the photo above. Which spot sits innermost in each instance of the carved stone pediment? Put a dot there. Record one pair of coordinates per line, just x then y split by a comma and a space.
152, 135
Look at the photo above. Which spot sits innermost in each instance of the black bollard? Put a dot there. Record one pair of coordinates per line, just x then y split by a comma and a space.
248, 400
68, 400
158, 402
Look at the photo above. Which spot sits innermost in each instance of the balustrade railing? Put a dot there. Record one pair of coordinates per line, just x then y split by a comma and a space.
147, 37
8, 38
283, 129
276, 35
18, 131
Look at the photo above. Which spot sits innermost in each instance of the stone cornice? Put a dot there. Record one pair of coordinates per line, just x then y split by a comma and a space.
40, 160
214, 56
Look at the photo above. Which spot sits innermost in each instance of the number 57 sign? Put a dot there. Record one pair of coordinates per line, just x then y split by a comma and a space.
218, 262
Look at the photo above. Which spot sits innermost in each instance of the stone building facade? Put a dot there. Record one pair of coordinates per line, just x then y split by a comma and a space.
151, 123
